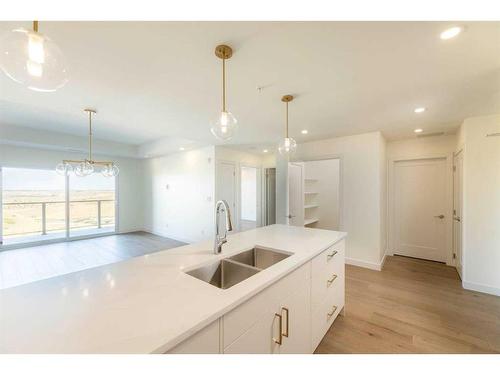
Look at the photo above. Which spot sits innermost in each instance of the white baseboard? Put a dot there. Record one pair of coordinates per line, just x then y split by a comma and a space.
363, 263
481, 288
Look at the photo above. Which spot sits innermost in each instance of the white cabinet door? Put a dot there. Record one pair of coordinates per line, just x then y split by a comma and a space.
205, 341
296, 312
259, 339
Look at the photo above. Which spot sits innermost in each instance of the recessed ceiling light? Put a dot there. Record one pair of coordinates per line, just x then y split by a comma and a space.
419, 109
304, 131
451, 32
265, 151
181, 148
418, 130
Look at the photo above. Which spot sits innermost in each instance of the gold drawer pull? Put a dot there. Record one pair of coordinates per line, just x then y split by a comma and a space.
287, 318
330, 256
279, 340
330, 314
329, 282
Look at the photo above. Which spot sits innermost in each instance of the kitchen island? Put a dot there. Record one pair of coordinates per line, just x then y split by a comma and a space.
150, 304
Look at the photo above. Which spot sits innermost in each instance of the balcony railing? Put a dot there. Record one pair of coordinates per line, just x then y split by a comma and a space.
10, 213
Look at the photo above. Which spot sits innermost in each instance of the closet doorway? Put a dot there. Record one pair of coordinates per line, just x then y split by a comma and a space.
314, 193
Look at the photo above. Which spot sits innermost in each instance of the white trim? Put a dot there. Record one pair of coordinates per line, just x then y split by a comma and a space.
363, 263
481, 288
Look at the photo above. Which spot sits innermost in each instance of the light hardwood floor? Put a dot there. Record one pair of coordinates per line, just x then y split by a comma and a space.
413, 306
30, 264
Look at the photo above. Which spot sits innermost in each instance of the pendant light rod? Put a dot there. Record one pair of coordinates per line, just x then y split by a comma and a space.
286, 99
223, 52
90, 112
223, 85
35, 26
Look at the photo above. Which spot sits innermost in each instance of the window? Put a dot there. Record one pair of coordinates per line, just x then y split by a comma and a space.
35, 205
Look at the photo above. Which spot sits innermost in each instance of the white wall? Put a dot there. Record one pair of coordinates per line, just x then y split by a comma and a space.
481, 200
242, 158
130, 213
327, 174
184, 210
422, 148
361, 163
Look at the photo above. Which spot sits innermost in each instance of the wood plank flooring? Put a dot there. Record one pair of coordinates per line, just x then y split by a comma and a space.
413, 306
30, 264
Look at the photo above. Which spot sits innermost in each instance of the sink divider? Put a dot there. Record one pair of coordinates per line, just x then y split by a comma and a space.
242, 264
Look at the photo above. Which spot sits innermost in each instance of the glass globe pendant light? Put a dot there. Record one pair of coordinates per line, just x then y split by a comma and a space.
86, 167
225, 125
287, 145
33, 60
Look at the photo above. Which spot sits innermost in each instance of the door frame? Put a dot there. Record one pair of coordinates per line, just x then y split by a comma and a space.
391, 215
259, 201
301, 166
340, 157
461, 273
235, 215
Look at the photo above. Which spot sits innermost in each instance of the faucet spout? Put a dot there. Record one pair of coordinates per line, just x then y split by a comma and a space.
221, 206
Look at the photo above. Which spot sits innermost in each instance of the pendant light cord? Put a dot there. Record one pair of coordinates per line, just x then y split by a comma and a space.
223, 85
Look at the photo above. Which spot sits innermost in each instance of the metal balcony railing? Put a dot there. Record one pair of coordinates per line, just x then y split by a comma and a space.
43, 205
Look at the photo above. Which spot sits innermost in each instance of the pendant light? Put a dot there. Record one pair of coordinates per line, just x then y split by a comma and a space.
287, 145
224, 127
33, 60
83, 168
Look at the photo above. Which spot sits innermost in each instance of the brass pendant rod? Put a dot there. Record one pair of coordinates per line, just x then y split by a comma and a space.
35, 26
90, 136
286, 119
223, 85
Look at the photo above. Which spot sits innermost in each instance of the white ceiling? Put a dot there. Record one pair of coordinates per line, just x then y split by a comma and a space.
151, 80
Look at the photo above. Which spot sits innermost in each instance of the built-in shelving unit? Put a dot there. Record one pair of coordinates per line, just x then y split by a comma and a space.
310, 201
311, 205
310, 221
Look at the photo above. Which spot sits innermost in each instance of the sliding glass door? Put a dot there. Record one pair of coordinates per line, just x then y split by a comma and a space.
91, 205
39, 205
33, 205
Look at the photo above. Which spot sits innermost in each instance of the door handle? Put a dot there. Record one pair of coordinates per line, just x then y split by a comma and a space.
290, 216
456, 218
287, 318
279, 340
440, 216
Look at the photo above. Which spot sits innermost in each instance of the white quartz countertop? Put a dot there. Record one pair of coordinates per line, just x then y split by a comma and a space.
145, 304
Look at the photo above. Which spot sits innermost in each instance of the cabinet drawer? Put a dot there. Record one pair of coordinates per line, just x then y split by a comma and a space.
324, 316
327, 272
243, 317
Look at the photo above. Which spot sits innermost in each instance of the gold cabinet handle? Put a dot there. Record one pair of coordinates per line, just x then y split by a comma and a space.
287, 319
330, 281
330, 256
330, 314
279, 340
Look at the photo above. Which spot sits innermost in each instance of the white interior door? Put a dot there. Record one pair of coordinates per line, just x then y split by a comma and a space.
420, 208
295, 194
457, 211
226, 188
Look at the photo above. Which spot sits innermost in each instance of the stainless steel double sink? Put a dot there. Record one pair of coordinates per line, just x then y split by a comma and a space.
230, 271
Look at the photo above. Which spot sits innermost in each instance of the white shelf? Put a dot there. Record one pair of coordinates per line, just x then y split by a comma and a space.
311, 205
310, 221
310, 192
